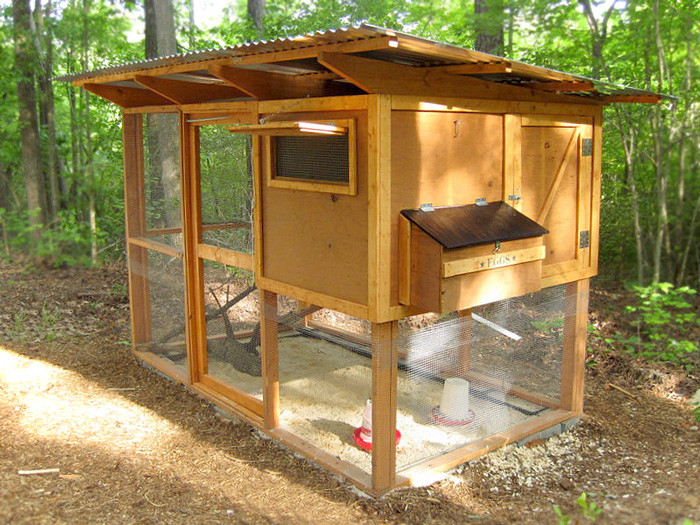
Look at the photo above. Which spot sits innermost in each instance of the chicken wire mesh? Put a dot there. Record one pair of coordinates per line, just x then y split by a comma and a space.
226, 176
325, 377
232, 310
467, 376
461, 377
161, 153
164, 309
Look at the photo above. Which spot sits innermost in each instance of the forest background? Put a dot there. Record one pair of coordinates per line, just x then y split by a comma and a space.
60, 147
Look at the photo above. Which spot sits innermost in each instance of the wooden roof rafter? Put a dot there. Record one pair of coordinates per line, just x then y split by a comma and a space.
478, 68
183, 92
265, 85
127, 97
311, 51
374, 76
563, 85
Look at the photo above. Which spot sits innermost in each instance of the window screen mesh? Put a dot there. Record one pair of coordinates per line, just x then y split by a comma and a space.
315, 158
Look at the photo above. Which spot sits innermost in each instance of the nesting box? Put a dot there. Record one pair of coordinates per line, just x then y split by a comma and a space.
364, 214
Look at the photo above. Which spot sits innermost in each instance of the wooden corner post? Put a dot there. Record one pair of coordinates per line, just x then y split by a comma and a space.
195, 327
384, 367
135, 215
574, 359
270, 358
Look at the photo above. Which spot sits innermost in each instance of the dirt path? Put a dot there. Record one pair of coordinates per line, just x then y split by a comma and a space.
134, 447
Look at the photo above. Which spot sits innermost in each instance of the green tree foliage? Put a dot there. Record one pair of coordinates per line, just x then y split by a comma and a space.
651, 183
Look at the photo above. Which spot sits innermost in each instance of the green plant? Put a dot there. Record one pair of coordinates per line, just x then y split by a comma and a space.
589, 509
664, 316
18, 331
119, 289
564, 519
49, 318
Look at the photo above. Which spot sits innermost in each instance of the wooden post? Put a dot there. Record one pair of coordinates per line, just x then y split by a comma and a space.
574, 358
195, 326
379, 205
384, 367
270, 358
135, 216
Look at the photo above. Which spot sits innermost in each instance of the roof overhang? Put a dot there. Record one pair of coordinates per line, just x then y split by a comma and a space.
356, 60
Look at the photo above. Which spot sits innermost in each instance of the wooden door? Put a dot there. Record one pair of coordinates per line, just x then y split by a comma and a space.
554, 189
226, 359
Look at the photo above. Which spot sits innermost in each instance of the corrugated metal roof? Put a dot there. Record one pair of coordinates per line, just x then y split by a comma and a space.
406, 49
314, 39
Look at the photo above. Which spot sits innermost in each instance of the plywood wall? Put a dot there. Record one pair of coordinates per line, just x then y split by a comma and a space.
318, 241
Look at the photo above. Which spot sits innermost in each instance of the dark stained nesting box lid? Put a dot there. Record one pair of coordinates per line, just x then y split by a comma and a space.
470, 225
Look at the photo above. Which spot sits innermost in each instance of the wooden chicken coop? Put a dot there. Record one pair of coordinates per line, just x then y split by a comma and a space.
364, 215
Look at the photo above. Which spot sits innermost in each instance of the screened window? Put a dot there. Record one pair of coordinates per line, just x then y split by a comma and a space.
312, 160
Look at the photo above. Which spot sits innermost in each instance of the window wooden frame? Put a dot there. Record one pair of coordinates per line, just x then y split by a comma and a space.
340, 188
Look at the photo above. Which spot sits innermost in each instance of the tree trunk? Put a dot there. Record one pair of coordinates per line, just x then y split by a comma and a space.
256, 12
89, 166
25, 66
163, 137
489, 16
4, 206
46, 103
192, 25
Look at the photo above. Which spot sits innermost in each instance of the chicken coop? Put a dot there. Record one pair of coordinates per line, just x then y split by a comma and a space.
373, 247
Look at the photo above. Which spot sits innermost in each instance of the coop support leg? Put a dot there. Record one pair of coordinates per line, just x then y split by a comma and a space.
384, 367
270, 358
574, 358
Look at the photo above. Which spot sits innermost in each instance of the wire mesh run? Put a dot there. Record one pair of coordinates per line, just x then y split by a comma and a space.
159, 300
162, 173
462, 377
325, 377
226, 175
467, 376
232, 309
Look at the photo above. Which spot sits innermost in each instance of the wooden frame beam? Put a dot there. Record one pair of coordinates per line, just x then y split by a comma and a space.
265, 85
633, 99
270, 358
476, 69
127, 97
376, 76
563, 85
135, 216
182, 92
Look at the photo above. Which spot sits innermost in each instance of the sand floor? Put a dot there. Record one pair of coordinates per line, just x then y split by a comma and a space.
324, 387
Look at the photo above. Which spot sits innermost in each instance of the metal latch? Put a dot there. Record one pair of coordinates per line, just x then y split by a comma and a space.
586, 147
514, 197
481, 201
584, 239
427, 206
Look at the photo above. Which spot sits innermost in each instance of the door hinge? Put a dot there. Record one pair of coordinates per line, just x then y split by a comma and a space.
586, 147
584, 239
